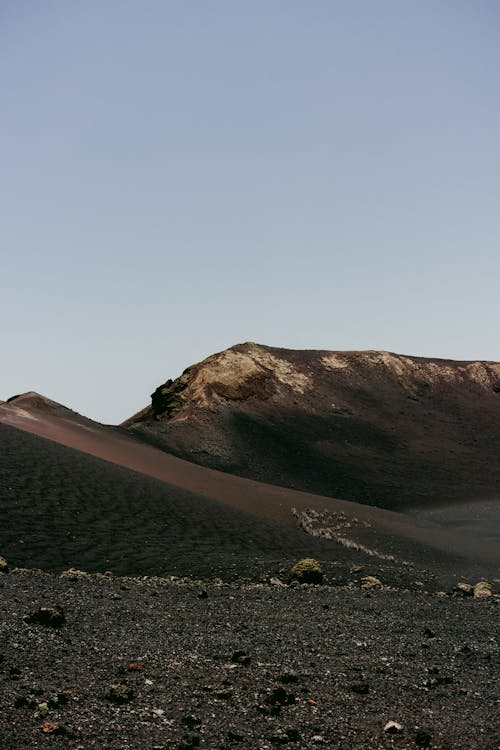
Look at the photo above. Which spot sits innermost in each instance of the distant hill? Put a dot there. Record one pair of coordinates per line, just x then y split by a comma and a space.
375, 427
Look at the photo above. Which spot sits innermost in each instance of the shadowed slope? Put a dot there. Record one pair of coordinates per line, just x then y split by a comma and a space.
120, 505
379, 428
61, 507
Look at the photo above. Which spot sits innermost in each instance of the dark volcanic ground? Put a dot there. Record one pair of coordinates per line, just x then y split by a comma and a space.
63, 508
246, 661
327, 667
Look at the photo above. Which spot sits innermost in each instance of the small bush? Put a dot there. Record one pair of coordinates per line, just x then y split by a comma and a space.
307, 571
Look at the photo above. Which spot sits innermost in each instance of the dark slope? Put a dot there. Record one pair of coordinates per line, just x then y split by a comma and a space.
382, 429
62, 508
351, 527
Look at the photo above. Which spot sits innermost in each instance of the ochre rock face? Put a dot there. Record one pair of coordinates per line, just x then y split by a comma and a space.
375, 427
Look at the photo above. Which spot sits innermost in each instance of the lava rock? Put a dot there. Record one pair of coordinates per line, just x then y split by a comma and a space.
242, 658
120, 693
51, 616
392, 727
361, 688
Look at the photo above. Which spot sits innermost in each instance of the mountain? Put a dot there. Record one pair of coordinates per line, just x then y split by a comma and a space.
398, 432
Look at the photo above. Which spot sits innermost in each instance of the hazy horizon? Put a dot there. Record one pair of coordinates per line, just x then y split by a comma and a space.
181, 177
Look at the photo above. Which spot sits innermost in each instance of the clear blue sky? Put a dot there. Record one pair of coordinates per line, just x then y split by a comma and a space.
177, 177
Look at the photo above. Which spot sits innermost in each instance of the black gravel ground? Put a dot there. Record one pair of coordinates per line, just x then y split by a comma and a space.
244, 666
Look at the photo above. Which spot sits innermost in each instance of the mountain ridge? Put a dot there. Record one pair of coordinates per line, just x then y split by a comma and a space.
365, 426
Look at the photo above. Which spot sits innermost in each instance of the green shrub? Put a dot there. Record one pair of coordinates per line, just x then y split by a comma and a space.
307, 570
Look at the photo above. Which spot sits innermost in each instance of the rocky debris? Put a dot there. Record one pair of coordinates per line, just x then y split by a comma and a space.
281, 697
73, 574
438, 679
371, 582
189, 741
52, 727
120, 693
191, 721
361, 688
288, 678
463, 589
482, 590
235, 735
203, 594
423, 738
284, 736
51, 615
4, 566
241, 658
134, 667
275, 581
58, 700
307, 570
392, 727
301, 689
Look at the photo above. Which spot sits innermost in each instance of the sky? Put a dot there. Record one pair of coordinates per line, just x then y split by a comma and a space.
178, 176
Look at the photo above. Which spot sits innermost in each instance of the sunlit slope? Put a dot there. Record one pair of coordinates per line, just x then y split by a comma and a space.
378, 428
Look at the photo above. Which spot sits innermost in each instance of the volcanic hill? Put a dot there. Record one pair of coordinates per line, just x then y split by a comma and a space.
382, 429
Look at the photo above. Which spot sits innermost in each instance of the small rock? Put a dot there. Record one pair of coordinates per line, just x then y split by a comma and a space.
422, 738
74, 574
392, 727
482, 590
463, 589
224, 694
203, 594
4, 565
284, 736
52, 727
235, 735
191, 721
134, 667
120, 693
23, 702
288, 677
61, 699
279, 737
277, 582
362, 688
371, 582
241, 657
429, 633
281, 697
189, 741
50, 616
